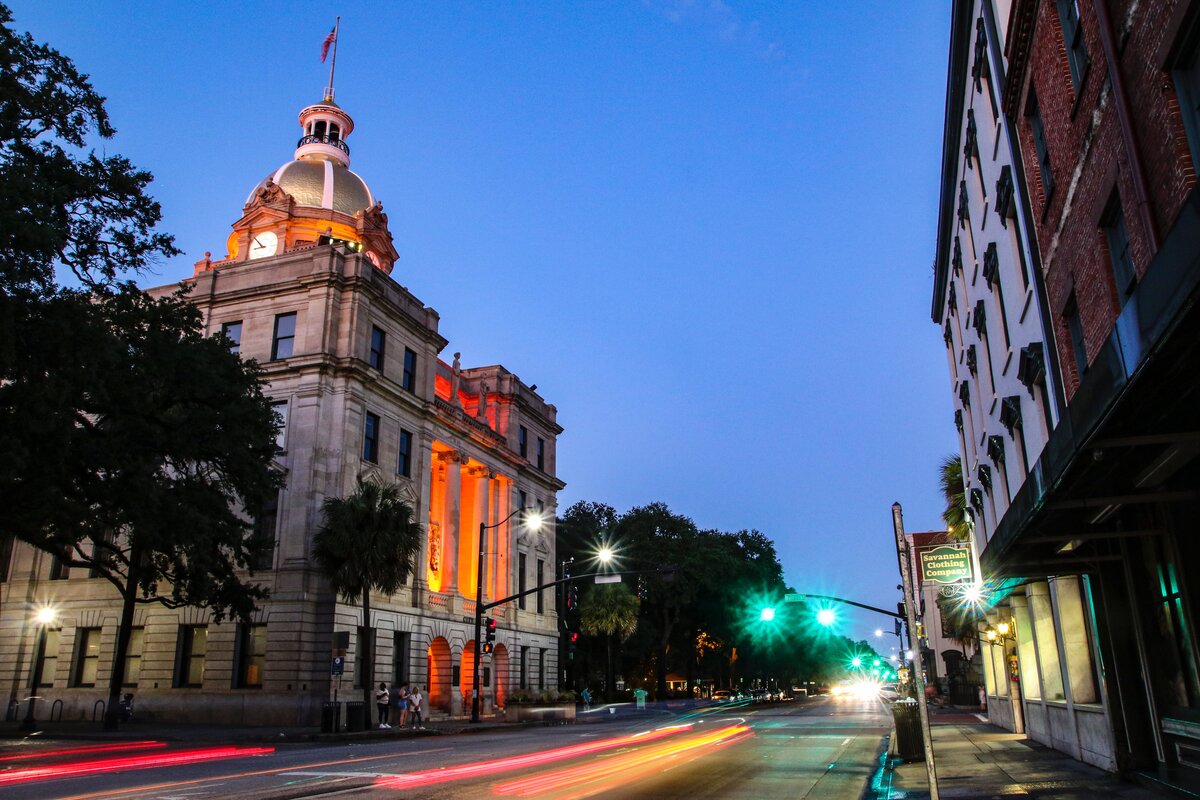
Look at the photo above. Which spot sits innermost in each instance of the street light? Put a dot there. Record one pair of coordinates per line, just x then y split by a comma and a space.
44, 616
605, 554
767, 615
533, 522
826, 617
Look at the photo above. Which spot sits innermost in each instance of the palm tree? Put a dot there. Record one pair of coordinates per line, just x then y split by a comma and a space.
609, 610
367, 543
950, 475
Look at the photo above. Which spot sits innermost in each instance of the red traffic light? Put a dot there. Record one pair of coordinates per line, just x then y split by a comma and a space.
573, 637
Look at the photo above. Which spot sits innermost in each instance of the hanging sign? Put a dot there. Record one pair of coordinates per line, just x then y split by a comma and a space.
945, 564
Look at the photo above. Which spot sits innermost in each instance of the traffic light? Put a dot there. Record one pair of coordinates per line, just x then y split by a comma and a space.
572, 641
572, 596
826, 617
489, 635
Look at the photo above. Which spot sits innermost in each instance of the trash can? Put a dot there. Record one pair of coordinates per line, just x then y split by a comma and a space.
331, 717
910, 745
356, 715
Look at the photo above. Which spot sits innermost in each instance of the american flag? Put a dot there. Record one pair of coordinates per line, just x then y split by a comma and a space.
329, 40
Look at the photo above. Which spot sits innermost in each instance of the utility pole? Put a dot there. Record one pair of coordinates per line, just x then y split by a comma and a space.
910, 608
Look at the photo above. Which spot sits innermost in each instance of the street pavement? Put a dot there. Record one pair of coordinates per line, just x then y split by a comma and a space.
820, 749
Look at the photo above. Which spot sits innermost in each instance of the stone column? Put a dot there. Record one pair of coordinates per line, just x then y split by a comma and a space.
482, 483
451, 522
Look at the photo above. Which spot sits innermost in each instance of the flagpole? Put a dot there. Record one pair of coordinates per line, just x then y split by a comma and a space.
333, 62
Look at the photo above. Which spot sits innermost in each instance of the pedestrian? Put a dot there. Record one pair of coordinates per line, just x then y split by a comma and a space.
586, 696
402, 705
414, 708
382, 702
982, 699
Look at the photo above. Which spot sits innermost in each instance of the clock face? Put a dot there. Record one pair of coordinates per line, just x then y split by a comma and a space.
263, 244
374, 259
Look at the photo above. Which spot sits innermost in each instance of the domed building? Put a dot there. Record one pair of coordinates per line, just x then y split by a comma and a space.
351, 361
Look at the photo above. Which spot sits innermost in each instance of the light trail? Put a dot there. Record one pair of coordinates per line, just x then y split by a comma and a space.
77, 768
613, 771
91, 748
485, 768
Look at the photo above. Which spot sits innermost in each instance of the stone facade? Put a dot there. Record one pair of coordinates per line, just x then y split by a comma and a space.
351, 360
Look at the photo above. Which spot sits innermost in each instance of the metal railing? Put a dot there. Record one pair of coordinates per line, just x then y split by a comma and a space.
329, 140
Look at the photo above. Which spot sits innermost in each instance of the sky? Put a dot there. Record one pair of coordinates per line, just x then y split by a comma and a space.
704, 229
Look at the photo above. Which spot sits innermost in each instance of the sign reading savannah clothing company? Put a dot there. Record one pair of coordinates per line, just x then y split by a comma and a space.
945, 564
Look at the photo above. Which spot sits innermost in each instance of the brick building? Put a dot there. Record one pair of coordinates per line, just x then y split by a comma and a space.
1103, 99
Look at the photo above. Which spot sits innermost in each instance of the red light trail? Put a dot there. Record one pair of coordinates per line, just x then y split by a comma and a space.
78, 768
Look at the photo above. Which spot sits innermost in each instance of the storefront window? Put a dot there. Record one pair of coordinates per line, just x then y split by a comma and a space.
1047, 641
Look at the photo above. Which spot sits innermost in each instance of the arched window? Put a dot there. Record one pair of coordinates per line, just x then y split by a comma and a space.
319, 130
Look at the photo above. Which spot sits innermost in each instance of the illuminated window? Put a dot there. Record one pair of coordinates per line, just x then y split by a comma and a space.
378, 341
284, 339
46, 663
133, 657
87, 656
190, 653
252, 655
408, 380
370, 451
233, 332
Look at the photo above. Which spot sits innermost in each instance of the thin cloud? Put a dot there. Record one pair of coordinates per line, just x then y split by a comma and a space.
722, 22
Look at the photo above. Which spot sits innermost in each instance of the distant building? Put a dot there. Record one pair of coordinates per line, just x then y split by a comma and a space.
1102, 100
351, 361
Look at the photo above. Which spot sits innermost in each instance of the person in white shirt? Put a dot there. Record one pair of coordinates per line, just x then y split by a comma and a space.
382, 701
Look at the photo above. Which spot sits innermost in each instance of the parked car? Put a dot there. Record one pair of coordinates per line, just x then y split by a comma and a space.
722, 696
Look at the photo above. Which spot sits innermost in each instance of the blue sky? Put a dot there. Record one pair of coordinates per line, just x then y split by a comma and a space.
704, 229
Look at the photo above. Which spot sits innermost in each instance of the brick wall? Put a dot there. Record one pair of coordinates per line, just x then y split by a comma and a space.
1089, 159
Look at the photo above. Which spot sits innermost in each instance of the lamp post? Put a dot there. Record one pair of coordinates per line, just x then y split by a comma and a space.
44, 616
530, 521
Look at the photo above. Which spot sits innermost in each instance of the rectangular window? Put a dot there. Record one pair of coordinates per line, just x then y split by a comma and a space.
46, 664
521, 583
370, 451
281, 412
523, 441
87, 656
524, 667
133, 657
404, 461
59, 569
1043, 152
1187, 86
362, 656
541, 672
233, 332
378, 340
252, 656
284, 339
541, 453
1075, 330
408, 380
541, 603
1072, 31
6, 551
401, 644
1119, 256
189, 660
522, 499
265, 523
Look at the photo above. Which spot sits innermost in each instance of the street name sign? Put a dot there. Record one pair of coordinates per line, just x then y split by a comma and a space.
608, 579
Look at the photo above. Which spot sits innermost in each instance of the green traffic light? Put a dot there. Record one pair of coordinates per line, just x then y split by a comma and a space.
826, 617
767, 615
856, 662
877, 662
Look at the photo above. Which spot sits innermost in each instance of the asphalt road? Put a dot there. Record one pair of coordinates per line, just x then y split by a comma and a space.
823, 748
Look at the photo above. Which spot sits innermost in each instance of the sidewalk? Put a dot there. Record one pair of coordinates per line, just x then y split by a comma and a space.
977, 760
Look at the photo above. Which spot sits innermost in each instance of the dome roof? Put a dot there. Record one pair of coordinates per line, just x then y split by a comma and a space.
321, 184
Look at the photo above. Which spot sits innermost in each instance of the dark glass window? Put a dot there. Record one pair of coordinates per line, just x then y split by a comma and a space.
1119, 256
281, 409
189, 660
363, 653
233, 332
521, 582
541, 668
1187, 86
370, 451
541, 603
284, 340
378, 341
252, 656
87, 656
6, 550
541, 453
265, 523
1072, 31
1075, 330
59, 569
404, 462
523, 441
408, 381
524, 668
522, 499
1039, 144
